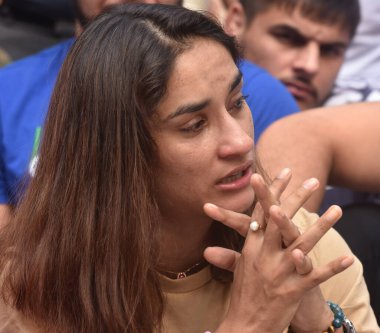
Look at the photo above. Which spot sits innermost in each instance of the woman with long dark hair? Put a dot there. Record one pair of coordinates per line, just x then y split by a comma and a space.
148, 142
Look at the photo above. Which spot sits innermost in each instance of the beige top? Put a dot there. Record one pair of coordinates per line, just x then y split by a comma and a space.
198, 303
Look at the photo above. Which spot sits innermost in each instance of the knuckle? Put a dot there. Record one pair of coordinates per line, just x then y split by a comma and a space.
315, 279
335, 268
323, 224
246, 252
291, 292
300, 243
300, 194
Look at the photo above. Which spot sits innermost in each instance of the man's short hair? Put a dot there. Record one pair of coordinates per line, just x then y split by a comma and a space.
332, 12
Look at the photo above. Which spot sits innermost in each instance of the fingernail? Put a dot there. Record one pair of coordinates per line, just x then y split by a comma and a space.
211, 205
258, 178
213, 212
333, 213
310, 183
283, 173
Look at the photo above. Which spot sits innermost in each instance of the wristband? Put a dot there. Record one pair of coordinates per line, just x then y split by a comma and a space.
338, 314
340, 320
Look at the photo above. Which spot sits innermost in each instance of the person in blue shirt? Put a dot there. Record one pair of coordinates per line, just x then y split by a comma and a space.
26, 87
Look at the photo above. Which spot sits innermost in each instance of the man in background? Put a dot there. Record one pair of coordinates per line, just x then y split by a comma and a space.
302, 43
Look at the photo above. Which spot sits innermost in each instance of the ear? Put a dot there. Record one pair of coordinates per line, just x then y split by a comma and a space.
235, 23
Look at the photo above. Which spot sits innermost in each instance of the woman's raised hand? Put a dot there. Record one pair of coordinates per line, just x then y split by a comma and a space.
273, 275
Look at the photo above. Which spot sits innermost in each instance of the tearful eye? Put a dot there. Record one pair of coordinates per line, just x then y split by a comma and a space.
239, 103
195, 127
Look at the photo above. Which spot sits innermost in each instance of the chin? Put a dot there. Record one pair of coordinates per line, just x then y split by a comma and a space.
239, 203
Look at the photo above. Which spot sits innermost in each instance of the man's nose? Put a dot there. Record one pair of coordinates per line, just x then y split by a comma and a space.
307, 59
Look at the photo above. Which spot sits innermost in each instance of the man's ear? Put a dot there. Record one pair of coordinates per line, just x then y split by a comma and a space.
235, 23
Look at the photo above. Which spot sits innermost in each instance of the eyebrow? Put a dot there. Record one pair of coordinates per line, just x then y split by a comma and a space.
236, 81
292, 31
299, 37
191, 108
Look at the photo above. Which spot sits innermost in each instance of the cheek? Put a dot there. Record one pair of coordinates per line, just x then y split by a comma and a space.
182, 179
252, 51
326, 79
247, 123
182, 163
268, 59
186, 171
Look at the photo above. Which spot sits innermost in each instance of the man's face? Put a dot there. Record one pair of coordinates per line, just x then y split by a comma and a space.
305, 55
88, 9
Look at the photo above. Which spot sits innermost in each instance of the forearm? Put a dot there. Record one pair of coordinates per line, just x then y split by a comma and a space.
296, 142
355, 146
337, 145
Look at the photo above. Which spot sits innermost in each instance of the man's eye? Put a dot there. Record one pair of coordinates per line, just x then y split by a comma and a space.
283, 36
332, 51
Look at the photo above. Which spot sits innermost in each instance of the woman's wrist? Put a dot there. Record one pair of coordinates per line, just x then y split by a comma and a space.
337, 322
314, 320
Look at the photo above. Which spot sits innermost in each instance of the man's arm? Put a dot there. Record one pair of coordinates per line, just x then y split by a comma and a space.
337, 145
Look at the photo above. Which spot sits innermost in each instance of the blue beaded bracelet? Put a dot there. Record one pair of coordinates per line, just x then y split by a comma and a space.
338, 321
338, 314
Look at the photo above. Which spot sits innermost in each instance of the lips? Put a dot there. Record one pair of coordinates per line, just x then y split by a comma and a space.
237, 178
300, 90
232, 178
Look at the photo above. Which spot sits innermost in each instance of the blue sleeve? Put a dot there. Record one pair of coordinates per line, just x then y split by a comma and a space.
267, 98
4, 198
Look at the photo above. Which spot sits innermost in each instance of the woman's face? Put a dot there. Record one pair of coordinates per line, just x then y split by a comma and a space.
204, 134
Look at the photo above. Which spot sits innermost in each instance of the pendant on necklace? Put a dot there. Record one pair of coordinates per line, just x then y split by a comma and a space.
181, 275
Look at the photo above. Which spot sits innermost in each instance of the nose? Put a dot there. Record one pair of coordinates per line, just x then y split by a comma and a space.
234, 139
307, 59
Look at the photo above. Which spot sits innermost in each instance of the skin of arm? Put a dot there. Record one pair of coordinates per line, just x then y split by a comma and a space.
5, 214
337, 145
